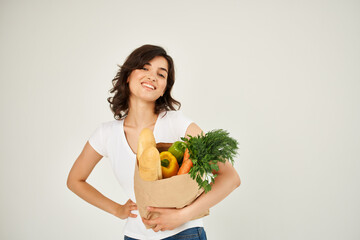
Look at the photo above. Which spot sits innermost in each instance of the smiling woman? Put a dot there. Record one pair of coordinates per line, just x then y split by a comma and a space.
142, 99
146, 64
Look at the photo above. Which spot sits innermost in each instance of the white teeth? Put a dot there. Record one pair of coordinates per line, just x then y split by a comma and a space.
148, 85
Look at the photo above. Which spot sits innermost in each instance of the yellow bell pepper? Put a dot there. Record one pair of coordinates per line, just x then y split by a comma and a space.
169, 164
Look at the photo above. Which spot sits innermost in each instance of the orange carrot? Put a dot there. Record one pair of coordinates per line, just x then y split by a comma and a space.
186, 164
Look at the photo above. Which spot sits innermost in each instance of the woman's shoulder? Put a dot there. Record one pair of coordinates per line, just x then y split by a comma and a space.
108, 126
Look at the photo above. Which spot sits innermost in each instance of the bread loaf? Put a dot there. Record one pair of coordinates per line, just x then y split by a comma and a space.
149, 164
148, 157
146, 139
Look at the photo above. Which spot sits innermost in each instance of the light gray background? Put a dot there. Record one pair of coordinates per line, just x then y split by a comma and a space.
281, 76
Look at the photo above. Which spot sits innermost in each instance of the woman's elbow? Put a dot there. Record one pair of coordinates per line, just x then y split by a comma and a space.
235, 177
69, 183
231, 174
238, 183
237, 180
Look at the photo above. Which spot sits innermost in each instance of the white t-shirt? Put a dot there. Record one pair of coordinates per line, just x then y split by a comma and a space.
109, 140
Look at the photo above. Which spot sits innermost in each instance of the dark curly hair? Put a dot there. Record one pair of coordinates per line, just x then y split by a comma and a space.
119, 104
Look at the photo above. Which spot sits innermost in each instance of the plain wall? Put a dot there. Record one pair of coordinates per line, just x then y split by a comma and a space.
281, 76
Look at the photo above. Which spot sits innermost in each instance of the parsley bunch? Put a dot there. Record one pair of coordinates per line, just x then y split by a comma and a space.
206, 150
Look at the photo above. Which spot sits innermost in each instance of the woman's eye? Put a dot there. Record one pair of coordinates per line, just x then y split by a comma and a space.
161, 75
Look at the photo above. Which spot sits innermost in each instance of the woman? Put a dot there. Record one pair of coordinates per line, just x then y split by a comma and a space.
143, 99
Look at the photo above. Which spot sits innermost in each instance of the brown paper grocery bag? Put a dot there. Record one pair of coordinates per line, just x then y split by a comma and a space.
174, 192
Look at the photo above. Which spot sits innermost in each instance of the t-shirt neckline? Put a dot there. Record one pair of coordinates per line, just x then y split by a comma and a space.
124, 136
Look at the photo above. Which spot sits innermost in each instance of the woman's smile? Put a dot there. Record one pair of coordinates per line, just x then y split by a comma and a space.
148, 85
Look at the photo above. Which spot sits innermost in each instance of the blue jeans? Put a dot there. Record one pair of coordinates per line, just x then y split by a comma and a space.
195, 233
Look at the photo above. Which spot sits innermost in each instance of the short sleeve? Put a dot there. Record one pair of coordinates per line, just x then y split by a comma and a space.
180, 123
97, 140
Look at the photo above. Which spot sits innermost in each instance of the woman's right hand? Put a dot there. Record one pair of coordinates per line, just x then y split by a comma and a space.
124, 211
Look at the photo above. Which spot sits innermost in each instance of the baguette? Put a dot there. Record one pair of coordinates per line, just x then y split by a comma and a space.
146, 139
149, 164
148, 157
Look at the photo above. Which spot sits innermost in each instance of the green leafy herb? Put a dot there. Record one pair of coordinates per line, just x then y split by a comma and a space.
206, 150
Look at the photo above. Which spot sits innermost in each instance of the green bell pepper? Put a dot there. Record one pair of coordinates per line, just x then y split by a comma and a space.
177, 149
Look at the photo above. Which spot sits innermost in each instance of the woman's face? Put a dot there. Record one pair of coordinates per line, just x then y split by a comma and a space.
149, 83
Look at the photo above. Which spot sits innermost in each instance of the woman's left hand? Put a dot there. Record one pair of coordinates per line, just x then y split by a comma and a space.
168, 219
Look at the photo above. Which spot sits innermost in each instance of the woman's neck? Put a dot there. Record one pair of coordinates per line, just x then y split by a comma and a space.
141, 115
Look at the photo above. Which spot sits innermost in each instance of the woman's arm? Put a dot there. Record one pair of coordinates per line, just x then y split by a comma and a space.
226, 181
76, 182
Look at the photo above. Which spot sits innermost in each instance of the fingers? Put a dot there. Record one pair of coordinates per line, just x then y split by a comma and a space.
150, 221
130, 202
155, 209
132, 215
155, 221
157, 228
131, 206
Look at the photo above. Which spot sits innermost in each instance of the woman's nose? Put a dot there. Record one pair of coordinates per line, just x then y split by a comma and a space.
151, 77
